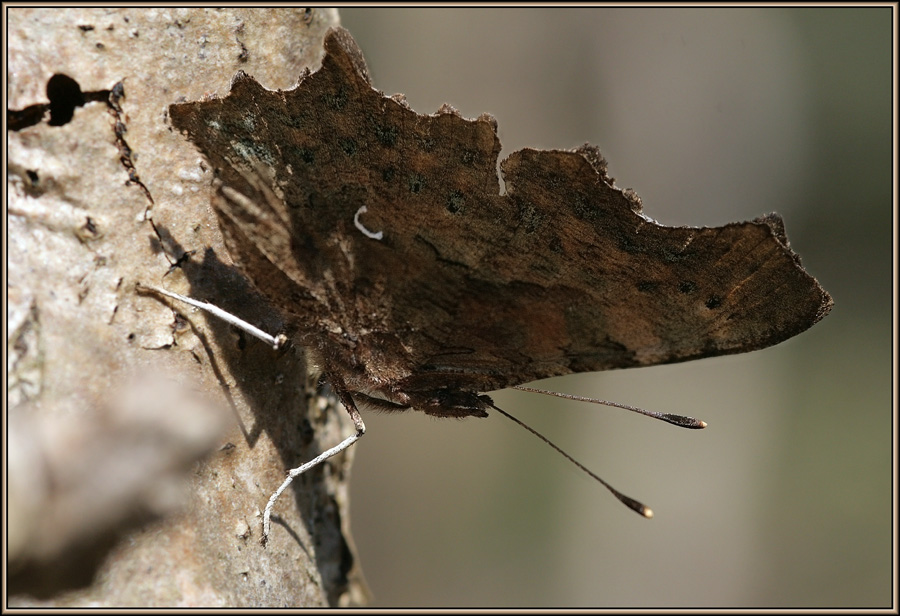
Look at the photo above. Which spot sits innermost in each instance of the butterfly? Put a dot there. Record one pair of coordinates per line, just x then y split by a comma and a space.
417, 282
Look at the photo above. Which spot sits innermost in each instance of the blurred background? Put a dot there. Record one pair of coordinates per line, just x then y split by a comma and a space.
711, 116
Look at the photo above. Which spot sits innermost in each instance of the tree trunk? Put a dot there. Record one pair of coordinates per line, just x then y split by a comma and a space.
144, 437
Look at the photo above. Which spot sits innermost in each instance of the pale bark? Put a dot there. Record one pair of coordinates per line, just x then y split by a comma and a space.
142, 445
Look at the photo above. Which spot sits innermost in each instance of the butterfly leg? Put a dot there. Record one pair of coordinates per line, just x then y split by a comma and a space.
337, 384
276, 341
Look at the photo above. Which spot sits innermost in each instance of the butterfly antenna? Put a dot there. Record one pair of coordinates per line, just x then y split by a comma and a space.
629, 502
677, 420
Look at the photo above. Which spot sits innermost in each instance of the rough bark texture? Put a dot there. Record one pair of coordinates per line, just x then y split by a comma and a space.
142, 443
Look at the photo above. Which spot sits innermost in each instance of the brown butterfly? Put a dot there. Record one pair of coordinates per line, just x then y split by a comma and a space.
417, 283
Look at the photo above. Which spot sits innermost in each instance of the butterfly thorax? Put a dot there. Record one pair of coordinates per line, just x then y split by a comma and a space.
375, 372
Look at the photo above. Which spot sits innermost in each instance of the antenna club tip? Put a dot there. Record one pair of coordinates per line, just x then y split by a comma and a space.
647, 512
703, 424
